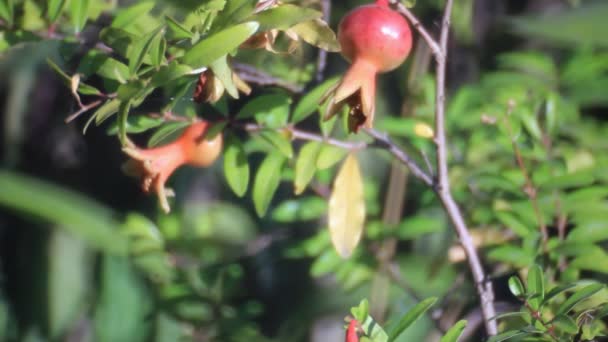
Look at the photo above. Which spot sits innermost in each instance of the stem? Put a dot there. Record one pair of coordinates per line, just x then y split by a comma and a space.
442, 183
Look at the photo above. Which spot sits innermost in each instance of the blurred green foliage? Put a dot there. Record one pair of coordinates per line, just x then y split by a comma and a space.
528, 166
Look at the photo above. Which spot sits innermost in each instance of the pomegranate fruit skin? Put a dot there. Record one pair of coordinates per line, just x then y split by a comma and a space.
377, 34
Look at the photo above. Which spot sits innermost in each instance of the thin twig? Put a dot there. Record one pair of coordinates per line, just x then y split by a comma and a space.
83, 109
438, 52
529, 189
250, 74
384, 141
442, 184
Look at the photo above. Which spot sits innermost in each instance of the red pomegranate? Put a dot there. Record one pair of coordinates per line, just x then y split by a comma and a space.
375, 39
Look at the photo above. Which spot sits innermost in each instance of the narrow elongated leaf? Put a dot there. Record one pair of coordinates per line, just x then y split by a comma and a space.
306, 165
74, 212
310, 102
236, 167
141, 48
267, 181
347, 208
507, 335
219, 44
285, 16
577, 297
279, 141
126, 16
79, 12
516, 287
178, 30
7, 11
454, 333
536, 286
410, 317
316, 32
329, 156
54, 9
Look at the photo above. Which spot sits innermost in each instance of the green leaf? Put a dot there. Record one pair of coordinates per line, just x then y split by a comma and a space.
236, 166
565, 324
79, 13
7, 11
106, 110
416, 226
270, 110
267, 181
119, 40
72, 211
141, 47
167, 133
516, 287
577, 179
178, 30
516, 225
83, 88
137, 124
126, 16
533, 63
508, 335
535, 286
54, 9
169, 73
330, 156
576, 27
373, 330
361, 311
309, 103
301, 209
123, 114
279, 141
512, 255
222, 71
578, 297
306, 165
589, 231
123, 302
284, 16
218, 45
454, 333
559, 289
317, 33
410, 317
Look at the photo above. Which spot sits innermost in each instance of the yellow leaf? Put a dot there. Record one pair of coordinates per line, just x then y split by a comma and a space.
347, 208
423, 130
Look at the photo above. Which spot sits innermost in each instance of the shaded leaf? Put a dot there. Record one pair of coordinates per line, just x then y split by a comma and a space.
535, 286
236, 166
267, 181
410, 317
76, 213
306, 165
577, 297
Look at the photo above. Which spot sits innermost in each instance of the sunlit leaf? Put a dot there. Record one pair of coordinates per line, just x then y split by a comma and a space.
454, 332
218, 45
347, 208
267, 181
306, 165
236, 166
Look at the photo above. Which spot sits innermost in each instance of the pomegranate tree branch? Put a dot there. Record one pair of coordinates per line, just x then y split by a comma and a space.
380, 140
431, 42
442, 183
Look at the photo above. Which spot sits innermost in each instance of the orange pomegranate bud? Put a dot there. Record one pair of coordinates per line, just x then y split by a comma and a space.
375, 39
155, 165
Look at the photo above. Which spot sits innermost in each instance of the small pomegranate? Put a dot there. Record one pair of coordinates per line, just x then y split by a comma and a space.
375, 39
154, 165
352, 331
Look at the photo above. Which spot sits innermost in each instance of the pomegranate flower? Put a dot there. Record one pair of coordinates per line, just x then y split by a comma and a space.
375, 39
155, 165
